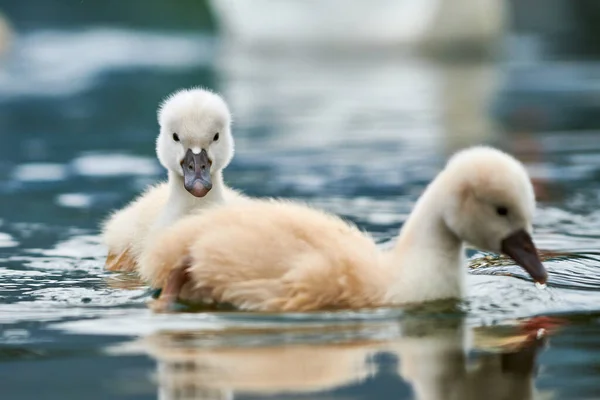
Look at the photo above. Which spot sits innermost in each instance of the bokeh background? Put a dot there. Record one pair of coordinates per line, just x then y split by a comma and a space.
328, 97
352, 105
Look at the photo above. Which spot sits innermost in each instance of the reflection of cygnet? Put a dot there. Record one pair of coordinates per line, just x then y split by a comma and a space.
437, 367
431, 353
5, 35
183, 368
314, 373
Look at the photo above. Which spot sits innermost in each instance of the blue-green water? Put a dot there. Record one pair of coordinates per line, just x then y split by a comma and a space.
359, 136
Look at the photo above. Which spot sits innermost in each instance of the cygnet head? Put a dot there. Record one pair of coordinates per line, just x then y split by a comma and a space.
195, 138
490, 204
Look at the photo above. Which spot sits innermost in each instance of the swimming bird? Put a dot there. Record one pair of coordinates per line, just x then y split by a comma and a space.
277, 255
194, 144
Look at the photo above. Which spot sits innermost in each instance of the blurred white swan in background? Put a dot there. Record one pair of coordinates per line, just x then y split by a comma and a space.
424, 23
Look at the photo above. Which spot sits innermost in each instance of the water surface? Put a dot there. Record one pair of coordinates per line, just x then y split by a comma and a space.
358, 136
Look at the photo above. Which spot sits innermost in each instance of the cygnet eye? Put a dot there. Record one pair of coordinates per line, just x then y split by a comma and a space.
502, 211
216, 137
176, 137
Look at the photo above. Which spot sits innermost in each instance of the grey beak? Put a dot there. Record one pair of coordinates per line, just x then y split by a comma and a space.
196, 173
519, 246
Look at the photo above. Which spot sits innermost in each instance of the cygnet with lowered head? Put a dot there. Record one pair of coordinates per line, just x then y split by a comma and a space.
272, 255
195, 144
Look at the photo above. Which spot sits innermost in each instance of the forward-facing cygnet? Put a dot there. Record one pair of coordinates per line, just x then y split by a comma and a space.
194, 145
271, 255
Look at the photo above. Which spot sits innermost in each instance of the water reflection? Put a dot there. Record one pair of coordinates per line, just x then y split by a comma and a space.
348, 122
434, 358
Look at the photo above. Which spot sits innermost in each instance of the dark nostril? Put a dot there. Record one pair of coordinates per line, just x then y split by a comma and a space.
191, 167
203, 167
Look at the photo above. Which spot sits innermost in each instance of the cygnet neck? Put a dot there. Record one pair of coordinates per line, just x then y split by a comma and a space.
181, 202
427, 261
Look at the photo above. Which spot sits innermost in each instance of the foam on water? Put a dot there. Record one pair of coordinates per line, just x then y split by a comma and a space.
40, 172
74, 200
6, 240
110, 165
